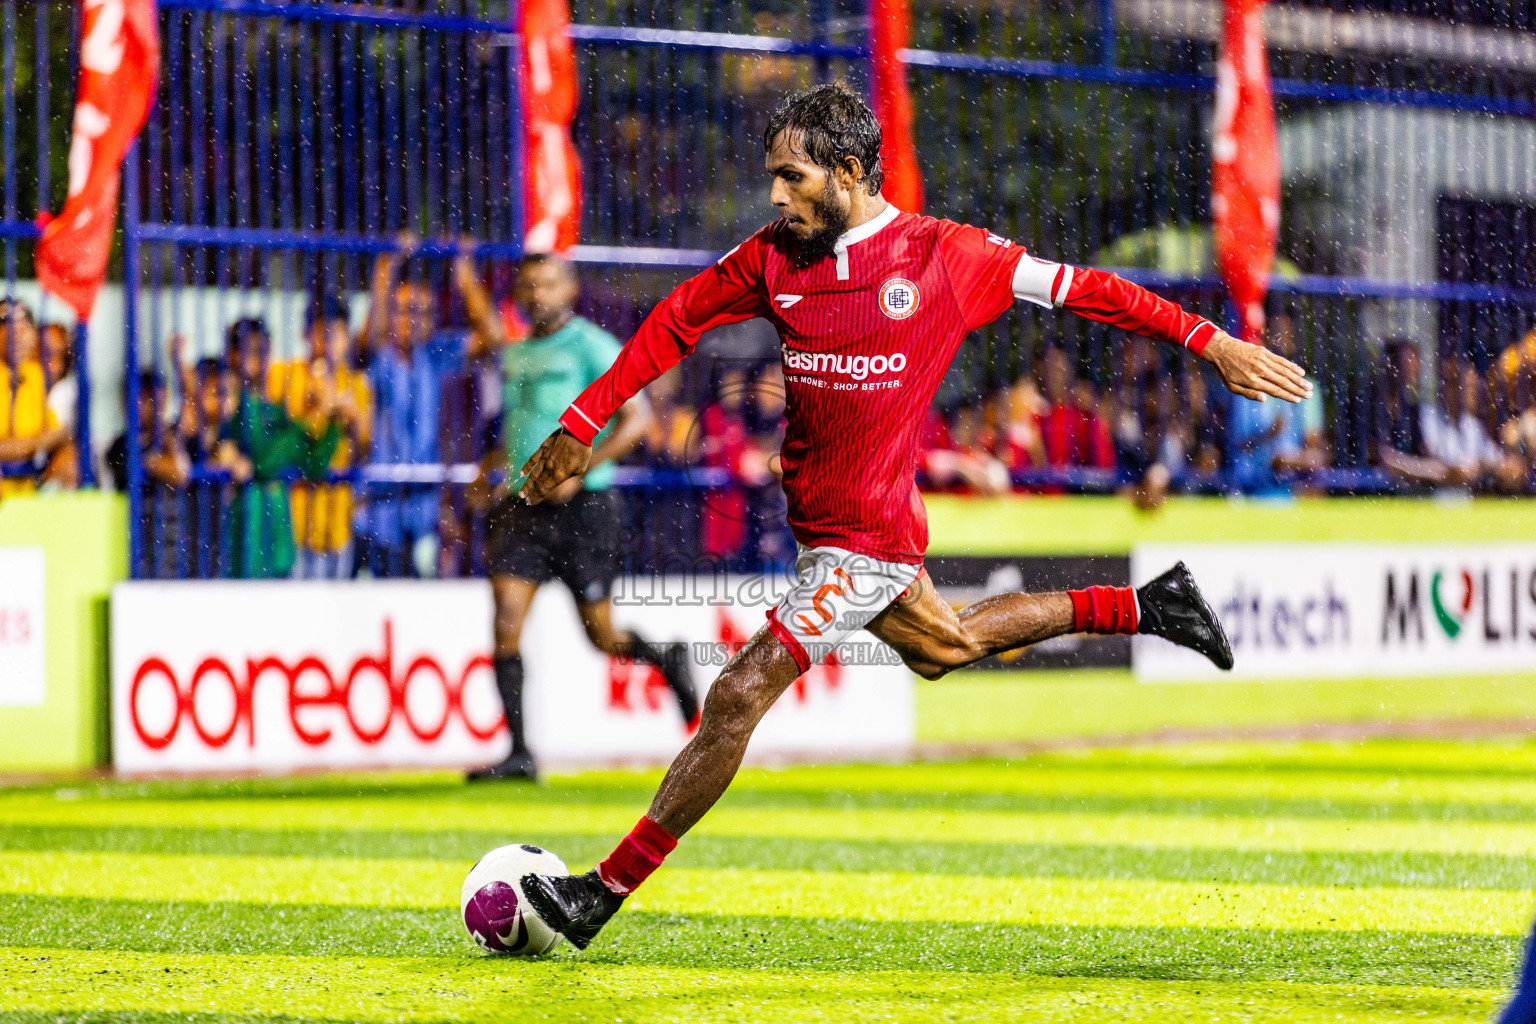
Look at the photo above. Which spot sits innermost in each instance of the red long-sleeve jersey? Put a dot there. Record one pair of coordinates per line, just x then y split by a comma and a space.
866, 335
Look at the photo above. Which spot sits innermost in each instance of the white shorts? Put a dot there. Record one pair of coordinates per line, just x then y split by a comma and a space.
837, 593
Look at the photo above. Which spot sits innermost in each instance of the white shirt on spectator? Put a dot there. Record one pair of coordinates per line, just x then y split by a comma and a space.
1464, 443
62, 401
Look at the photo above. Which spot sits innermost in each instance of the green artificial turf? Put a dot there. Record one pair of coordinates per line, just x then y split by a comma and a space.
1236, 881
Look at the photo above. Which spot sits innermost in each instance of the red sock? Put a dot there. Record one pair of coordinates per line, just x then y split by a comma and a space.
640, 853
1104, 610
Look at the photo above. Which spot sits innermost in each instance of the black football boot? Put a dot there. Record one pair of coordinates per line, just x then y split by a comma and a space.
1172, 608
518, 765
674, 669
576, 906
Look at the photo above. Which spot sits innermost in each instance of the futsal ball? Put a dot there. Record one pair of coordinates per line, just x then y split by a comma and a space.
498, 918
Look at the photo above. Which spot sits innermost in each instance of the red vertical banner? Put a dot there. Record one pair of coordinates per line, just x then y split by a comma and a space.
890, 31
1245, 177
552, 171
119, 62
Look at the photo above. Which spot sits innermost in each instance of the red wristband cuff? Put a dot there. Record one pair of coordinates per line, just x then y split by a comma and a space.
578, 426
1200, 337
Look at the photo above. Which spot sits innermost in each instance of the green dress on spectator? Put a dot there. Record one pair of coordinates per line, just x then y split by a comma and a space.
262, 527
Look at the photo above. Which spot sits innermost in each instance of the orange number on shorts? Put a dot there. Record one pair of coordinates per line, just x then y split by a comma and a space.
821, 609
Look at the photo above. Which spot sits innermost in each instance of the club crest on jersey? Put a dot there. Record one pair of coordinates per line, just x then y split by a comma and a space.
899, 298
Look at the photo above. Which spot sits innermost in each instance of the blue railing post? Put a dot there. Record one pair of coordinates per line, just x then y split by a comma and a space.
517, 134
1107, 40
869, 50
83, 405
134, 465
821, 17
40, 90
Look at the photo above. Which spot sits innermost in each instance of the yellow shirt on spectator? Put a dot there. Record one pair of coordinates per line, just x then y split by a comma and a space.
1518, 356
24, 415
322, 513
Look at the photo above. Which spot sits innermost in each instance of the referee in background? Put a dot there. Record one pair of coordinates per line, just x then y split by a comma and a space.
573, 536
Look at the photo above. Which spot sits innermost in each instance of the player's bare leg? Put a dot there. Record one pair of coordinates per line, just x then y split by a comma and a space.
511, 596
934, 639
750, 683
930, 636
670, 659
578, 906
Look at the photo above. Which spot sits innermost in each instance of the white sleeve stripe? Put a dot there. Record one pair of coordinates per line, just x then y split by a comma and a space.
577, 410
1192, 331
1066, 284
1032, 280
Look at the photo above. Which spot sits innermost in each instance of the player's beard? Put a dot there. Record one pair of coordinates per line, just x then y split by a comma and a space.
834, 221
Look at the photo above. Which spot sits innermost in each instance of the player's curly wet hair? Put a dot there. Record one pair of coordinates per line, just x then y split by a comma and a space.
828, 124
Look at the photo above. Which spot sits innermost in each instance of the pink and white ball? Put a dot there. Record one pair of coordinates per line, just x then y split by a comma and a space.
497, 916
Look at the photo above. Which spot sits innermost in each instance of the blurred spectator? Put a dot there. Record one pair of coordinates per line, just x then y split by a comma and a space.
1516, 472
1271, 441
1512, 382
29, 431
1443, 445
1454, 434
210, 394
770, 542
317, 390
1200, 428
723, 442
1138, 411
672, 442
471, 426
165, 474
63, 468
1399, 433
262, 437
1022, 446
1511, 391
956, 456
672, 517
995, 410
59, 361
410, 358
1072, 433
165, 462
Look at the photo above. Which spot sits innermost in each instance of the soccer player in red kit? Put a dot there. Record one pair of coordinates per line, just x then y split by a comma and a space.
870, 304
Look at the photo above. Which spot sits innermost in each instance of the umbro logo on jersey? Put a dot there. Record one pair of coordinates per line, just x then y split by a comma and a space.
785, 301
899, 298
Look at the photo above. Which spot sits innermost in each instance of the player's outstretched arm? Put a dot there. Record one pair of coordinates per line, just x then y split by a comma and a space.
559, 458
1248, 370
1255, 372
988, 272
727, 293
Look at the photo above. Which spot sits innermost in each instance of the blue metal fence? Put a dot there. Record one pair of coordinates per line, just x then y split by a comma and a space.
292, 142
38, 43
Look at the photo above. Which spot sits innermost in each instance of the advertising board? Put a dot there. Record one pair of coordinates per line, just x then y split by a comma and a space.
23, 632
1354, 610
253, 676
